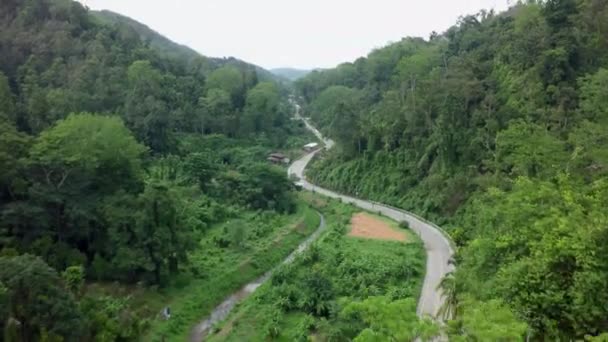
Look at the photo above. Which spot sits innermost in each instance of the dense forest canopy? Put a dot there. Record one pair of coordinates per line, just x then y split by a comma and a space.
120, 150
115, 157
172, 50
496, 128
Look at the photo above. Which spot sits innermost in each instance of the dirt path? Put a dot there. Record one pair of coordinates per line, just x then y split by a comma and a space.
366, 226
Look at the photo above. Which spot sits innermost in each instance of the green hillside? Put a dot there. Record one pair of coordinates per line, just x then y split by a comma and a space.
126, 161
497, 129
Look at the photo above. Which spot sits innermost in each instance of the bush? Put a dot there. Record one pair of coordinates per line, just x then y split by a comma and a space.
273, 322
237, 233
73, 277
404, 224
100, 268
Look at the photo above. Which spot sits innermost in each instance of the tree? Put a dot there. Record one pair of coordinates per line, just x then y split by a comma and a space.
88, 147
337, 107
266, 187
529, 150
146, 111
73, 277
448, 287
13, 150
74, 165
318, 294
201, 167
590, 156
230, 80
7, 99
152, 233
262, 108
38, 302
593, 104
218, 113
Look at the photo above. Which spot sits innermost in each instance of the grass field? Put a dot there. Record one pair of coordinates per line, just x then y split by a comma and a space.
304, 300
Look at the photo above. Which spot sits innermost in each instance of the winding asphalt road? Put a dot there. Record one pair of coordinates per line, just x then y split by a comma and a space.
438, 248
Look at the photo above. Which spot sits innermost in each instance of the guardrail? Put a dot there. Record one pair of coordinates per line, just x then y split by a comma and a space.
422, 219
416, 216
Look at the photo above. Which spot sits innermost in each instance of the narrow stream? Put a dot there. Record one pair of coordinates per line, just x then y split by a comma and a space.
201, 330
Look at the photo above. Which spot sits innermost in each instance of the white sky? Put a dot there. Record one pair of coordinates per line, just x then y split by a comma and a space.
290, 33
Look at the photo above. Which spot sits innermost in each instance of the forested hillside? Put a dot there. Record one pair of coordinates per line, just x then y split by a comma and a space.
497, 128
116, 159
172, 50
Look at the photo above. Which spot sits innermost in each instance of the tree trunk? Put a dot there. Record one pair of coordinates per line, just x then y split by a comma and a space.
173, 264
157, 267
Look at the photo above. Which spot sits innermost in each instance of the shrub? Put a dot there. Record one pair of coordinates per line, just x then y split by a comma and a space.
404, 224
100, 268
73, 277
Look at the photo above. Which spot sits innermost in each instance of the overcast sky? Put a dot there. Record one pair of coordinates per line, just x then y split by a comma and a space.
294, 33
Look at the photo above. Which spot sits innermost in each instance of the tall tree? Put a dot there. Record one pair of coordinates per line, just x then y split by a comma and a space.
37, 304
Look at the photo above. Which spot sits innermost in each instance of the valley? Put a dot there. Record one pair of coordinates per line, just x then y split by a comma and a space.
449, 186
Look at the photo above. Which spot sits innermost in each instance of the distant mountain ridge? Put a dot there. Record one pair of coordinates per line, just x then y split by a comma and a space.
173, 50
291, 74
156, 40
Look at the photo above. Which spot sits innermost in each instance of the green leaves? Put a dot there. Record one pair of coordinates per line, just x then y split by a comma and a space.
539, 247
7, 100
487, 321
262, 108
153, 231
390, 320
227, 79
88, 143
13, 150
37, 301
526, 149
74, 279
594, 96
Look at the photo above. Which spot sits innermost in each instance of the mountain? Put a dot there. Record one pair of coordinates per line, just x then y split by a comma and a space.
173, 50
119, 152
498, 130
290, 73
156, 40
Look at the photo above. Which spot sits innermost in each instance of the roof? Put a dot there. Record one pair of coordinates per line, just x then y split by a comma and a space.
277, 155
312, 144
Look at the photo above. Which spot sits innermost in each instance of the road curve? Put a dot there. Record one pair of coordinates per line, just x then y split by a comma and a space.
438, 248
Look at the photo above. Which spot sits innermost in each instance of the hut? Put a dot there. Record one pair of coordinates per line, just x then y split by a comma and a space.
311, 146
278, 158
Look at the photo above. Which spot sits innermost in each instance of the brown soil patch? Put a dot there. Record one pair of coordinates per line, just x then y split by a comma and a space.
366, 226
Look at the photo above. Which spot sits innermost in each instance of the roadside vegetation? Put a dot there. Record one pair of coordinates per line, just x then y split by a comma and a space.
342, 288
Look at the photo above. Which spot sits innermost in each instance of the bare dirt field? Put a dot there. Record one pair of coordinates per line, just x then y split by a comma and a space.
364, 225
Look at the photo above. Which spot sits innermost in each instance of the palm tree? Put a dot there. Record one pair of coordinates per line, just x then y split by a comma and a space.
448, 309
